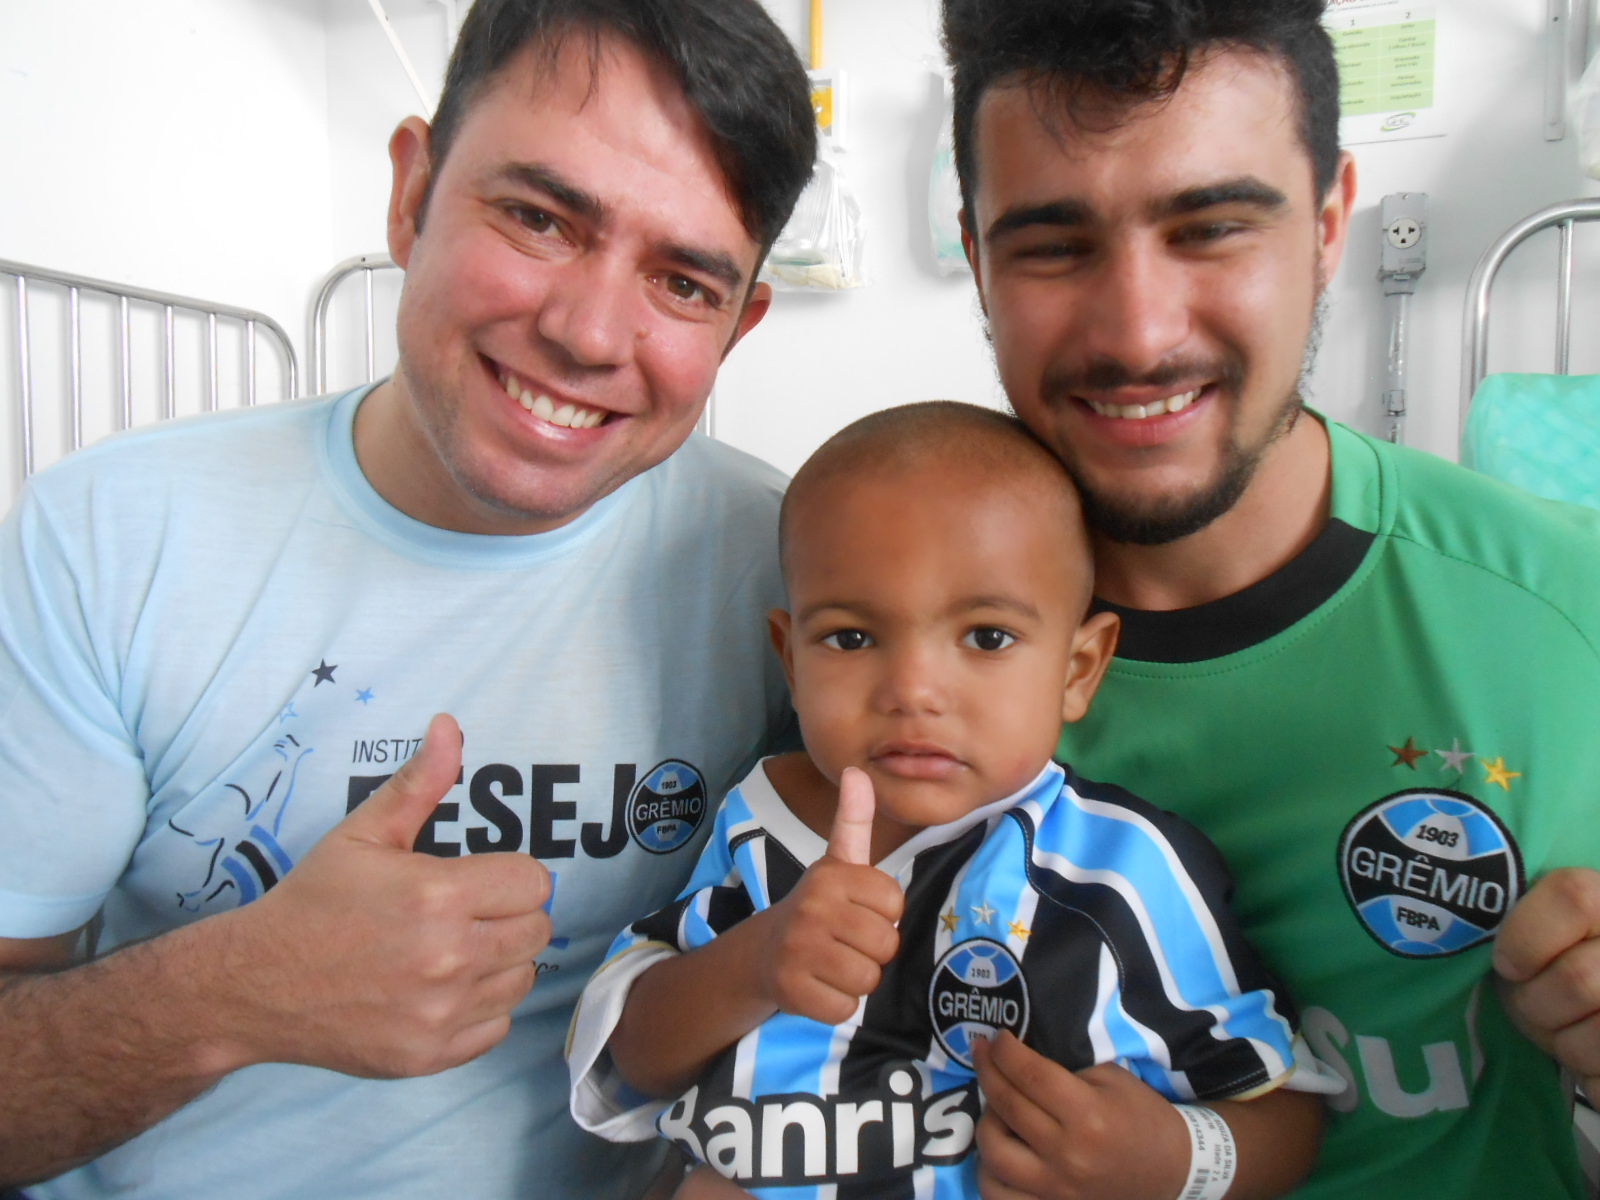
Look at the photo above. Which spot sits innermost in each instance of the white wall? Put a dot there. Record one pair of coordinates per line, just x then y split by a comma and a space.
244, 153
176, 145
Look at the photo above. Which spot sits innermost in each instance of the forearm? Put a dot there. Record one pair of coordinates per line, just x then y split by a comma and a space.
687, 1009
1276, 1136
95, 1054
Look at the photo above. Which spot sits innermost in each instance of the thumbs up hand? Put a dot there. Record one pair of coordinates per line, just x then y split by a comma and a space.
833, 934
374, 960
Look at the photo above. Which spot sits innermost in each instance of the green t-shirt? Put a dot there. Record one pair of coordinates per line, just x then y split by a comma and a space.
1389, 739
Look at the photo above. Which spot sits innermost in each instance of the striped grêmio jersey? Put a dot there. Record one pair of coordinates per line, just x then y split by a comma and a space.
1090, 924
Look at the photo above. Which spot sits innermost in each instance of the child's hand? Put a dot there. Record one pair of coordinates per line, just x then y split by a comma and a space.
834, 932
1053, 1134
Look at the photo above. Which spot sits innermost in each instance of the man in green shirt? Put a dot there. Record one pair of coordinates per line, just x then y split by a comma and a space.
1369, 675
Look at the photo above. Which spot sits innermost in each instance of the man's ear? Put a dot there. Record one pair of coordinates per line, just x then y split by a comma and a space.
1092, 648
410, 163
755, 307
780, 630
1333, 219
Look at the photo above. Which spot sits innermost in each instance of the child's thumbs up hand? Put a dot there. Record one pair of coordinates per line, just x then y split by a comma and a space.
835, 931
851, 839
374, 960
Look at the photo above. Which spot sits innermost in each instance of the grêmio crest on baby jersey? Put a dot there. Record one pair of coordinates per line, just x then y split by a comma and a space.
1429, 872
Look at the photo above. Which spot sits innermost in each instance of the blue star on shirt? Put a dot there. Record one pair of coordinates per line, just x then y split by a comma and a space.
364, 695
288, 711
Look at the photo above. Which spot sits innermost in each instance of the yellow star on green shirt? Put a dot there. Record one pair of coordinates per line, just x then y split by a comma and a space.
1495, 772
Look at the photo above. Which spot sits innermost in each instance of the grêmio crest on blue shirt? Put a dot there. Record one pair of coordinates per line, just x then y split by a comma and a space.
796, 1140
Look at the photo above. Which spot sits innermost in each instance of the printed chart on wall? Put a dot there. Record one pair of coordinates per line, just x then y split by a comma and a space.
1386, 52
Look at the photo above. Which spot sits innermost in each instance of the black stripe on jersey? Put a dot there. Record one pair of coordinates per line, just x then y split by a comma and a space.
895, 1026
1216, 1069
258, 860
663, 924
783, 869
1062, 975
1247, 618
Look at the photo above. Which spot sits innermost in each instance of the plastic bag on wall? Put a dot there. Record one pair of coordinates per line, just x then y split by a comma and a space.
821, 246
1586, 119
944, 198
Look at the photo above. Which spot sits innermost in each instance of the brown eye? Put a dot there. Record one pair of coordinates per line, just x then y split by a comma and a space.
987, 637
848, 639
684, 288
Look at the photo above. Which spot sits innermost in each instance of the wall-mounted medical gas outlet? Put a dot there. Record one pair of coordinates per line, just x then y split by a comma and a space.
1404, 217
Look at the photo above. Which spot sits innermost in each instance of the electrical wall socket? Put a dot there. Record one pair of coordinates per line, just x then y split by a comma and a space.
1404, 222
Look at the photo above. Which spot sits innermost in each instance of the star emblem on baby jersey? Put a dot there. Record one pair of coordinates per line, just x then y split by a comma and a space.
1496, 772
949, 919
982, 913
1018, 930
1455, 758
324, 673
1407, 754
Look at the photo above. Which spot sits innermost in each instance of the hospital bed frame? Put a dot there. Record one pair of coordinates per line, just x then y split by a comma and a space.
365, 265
1475, 325
26, 275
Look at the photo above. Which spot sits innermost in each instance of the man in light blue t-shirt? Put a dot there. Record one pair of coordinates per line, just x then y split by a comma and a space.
255, 937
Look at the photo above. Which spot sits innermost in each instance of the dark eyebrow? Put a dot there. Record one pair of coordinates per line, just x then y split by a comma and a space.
1244, 190
541, 178
719, 266
1067, 214
1061, 213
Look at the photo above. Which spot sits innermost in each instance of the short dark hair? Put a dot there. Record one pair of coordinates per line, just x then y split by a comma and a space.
737, 69
910, 436
1137, 50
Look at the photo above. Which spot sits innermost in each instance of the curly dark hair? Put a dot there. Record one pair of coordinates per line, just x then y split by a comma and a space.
738, 71
1138, 50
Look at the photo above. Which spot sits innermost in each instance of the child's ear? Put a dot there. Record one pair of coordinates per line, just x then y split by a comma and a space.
779, 630
1092, 648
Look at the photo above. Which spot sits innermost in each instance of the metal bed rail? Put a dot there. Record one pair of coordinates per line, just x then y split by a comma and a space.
26, 274
365, 265
1475, 325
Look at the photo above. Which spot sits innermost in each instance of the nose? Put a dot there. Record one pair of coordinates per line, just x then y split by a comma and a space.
1138, 310
587, 311
913, 682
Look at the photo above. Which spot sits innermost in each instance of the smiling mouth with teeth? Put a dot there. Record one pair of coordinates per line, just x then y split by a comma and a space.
568, 416
1137, 412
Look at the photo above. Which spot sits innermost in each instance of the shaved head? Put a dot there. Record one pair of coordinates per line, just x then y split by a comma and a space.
978, 450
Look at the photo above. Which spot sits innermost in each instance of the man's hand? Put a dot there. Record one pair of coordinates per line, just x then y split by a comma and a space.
1049, 1133
374, 960
831, 936
1548, 955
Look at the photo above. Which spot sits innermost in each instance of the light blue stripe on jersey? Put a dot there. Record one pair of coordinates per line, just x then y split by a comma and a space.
994, 887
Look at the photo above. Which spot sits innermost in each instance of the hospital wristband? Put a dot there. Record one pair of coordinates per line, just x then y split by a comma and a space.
1213, 1161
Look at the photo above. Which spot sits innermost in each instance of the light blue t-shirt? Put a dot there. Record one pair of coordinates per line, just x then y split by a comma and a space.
216, 638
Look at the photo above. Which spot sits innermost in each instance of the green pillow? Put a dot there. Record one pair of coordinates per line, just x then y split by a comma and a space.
1539, 432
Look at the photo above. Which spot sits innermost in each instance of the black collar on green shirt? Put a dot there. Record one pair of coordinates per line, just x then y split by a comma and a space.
1246, 618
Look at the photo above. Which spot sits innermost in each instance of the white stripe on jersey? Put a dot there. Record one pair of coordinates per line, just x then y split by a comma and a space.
1105, 989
